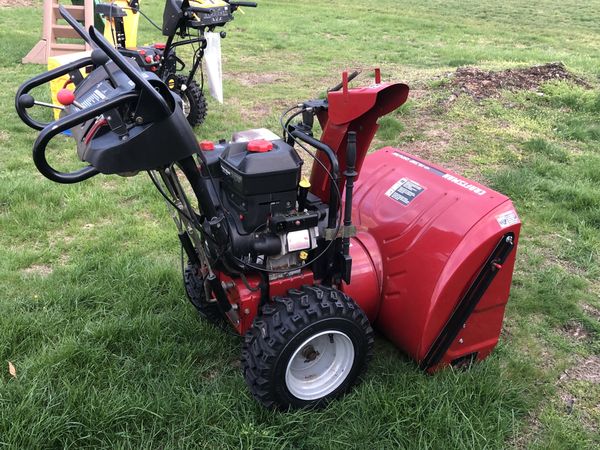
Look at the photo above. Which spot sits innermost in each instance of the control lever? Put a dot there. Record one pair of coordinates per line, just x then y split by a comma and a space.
339, 86
66, 97
99, 58
24, 100
27, 101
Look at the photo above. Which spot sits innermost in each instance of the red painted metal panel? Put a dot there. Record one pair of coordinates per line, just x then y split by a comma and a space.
432, 238
353, 110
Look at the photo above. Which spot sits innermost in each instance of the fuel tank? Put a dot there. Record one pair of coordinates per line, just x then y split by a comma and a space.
433, 258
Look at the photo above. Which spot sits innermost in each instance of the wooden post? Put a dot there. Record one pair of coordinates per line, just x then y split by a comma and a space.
55, 32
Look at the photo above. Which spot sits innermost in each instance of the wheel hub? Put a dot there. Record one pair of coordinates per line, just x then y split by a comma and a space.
320, 365
309, 353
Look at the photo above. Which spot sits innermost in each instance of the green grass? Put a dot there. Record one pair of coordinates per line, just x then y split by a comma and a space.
108, 351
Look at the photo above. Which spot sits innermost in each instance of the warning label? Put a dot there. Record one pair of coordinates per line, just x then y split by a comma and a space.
507, 219
405, 191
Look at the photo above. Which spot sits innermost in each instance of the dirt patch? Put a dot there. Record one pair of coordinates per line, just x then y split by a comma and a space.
576, 331
257, 112
41, 270
524, 437
16, 3
481, 84
591, 311
583, 370
250, 79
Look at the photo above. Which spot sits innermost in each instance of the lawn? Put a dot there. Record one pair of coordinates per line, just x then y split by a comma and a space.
109, 353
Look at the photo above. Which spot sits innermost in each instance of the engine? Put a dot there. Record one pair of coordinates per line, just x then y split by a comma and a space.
259, 188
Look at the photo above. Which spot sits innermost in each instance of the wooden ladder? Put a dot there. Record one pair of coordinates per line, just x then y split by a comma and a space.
56, 31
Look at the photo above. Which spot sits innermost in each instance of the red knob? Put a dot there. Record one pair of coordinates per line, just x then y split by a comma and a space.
148, 59
65, 97
207, 145
260, 146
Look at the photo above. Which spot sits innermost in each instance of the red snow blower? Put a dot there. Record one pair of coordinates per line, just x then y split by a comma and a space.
303, 268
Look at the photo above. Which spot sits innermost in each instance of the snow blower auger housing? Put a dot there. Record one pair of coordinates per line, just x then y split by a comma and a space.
302, 269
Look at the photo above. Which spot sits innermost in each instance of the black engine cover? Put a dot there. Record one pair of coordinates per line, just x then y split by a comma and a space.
260, 185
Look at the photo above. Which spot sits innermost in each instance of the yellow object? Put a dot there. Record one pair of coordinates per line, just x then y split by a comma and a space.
207, 3
303, 255
304, 183
130, 24
60, 83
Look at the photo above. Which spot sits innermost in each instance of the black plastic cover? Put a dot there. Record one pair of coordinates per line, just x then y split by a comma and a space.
249, 173
172, 14
155, 143
110, 10
146, 147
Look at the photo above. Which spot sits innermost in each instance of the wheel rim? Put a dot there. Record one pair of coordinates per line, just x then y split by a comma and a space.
320, 365
185, 104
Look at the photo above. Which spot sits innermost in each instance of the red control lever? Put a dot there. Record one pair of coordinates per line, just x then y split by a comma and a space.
65, 97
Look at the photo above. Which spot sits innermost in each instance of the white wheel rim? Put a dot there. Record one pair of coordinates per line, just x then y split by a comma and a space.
320, 365
185, 105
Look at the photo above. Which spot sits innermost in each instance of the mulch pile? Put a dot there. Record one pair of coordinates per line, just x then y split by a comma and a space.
480, 84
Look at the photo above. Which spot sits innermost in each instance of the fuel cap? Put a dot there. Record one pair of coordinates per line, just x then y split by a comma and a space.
260, 146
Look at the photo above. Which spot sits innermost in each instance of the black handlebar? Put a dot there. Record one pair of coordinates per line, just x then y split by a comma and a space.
243, 3
63, 124
99, 57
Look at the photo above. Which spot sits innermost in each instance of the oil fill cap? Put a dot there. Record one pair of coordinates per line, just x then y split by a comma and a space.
260, 146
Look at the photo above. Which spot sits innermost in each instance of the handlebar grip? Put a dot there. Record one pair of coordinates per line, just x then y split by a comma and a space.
243, 3
63, 124
23, 99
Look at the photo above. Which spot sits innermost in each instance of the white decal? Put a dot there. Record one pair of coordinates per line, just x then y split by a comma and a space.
507, 219
404, 191
464, 183
298, 240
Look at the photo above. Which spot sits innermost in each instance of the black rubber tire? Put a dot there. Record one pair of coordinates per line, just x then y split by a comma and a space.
194, 97
284, 325
194, 288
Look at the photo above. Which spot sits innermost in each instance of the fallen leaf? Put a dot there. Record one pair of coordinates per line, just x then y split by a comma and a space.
12, 370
